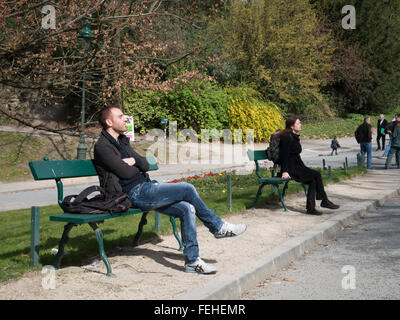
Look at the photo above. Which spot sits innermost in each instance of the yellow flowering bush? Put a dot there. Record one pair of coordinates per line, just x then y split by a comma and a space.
247, 110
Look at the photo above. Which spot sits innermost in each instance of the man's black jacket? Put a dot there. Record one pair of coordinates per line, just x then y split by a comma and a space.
382, 126
110, 167
365, 132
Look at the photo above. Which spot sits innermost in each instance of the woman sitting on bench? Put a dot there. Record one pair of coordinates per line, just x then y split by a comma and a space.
293, 167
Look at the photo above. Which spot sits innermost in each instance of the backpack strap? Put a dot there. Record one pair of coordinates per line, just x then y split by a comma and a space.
86, 192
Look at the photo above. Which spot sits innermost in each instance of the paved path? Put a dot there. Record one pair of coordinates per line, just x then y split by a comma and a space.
362, 263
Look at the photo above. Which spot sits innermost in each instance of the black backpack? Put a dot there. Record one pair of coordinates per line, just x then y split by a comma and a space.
357, 134
100, 203
273, 150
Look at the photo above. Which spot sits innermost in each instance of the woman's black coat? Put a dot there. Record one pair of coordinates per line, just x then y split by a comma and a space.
290, 160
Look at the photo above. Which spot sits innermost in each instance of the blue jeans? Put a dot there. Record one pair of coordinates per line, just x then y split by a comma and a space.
366, 147
385, 153
179, 200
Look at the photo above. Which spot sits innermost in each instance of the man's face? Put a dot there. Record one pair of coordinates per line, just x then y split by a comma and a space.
117, 120
368, 120
381, 117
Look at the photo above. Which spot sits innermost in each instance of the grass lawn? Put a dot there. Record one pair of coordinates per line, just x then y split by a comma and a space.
340, 127
82, 247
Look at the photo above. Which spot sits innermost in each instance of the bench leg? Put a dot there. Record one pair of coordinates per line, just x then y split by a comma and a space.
103, 256
305, 188
281, 194
172, 219
63, 242
284, 189
257, 196
142, 222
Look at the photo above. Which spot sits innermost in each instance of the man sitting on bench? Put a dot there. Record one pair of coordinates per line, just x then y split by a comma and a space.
120, 168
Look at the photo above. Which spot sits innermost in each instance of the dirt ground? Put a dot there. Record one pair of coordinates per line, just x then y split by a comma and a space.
155, 270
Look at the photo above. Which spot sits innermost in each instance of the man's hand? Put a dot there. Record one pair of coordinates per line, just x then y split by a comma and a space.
285, 175
129, 161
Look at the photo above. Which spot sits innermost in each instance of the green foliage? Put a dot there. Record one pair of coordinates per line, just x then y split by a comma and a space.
367, 60
280, 46
247, 110
144, 106
196, 104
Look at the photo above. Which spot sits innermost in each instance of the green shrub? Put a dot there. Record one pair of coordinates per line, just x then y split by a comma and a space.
144, 106
197, 105
194, 105
247, 110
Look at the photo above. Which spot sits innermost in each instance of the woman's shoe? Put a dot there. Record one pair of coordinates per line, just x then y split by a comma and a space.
328, 204
314, 212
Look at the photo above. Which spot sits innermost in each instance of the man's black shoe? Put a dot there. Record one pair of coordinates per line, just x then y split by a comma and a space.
330, 205
314, 212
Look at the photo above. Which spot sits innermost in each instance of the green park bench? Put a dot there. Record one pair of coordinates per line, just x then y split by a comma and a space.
61, 169
275, 182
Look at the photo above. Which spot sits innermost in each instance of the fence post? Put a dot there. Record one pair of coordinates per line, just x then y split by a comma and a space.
358, 160
323, 164
329, 172
35, 228
229, 187
157, 221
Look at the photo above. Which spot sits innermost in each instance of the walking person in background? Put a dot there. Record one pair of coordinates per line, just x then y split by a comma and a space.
334, 145
387, 149
395, 147
389, 130
364, 137
382, 123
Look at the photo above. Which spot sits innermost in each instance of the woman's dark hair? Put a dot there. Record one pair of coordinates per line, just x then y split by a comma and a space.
290, 121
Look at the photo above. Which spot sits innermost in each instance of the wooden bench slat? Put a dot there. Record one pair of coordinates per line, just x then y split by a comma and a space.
86, 218
58, 169
274, 180
255, 155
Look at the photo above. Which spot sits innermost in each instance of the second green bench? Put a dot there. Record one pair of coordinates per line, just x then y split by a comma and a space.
275, 182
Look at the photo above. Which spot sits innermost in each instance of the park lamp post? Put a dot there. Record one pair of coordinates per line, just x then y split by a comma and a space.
164, 122
86, 35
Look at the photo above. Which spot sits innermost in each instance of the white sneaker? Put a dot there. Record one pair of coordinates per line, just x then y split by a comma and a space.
229, 230
199, 266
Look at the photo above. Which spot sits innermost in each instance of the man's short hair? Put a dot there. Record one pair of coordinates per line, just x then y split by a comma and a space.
104, 115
